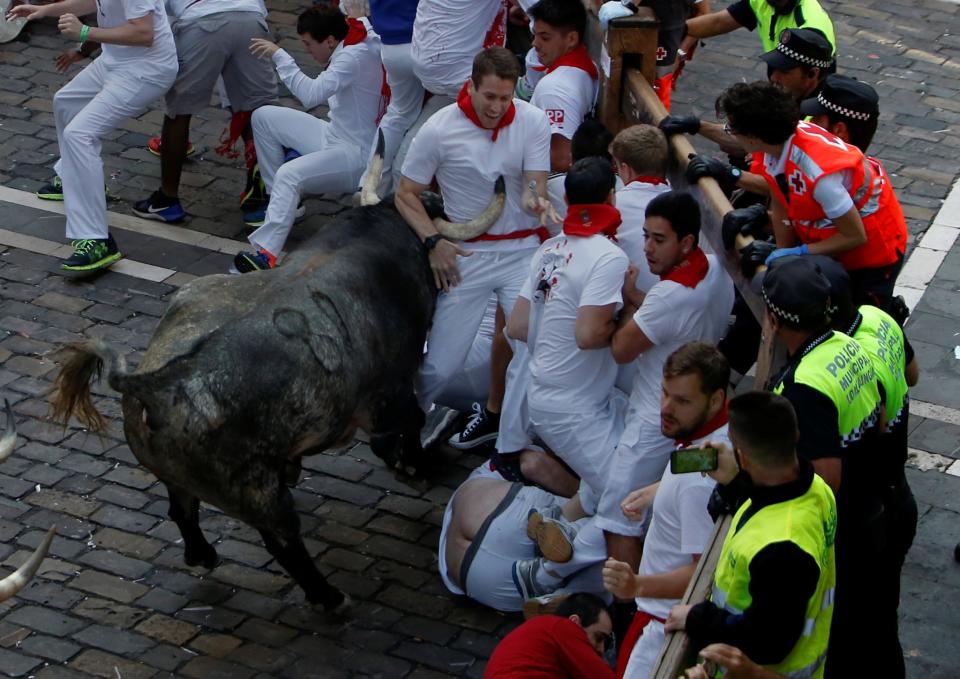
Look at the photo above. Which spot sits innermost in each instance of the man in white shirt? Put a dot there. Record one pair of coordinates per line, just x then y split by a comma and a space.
567, 92
691, 301
213, 39
467, 146
333, 153
566, 314
693, 410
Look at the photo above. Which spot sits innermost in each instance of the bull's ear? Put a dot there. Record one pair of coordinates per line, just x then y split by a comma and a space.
433, 204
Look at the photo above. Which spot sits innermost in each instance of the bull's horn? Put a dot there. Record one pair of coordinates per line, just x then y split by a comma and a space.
481, 222
368, 192
17, 580
9, 439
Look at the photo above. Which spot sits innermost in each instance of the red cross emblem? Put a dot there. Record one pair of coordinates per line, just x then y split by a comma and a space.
797, 184
661, 53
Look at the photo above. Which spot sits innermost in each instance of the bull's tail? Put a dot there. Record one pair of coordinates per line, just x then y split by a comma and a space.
84, 361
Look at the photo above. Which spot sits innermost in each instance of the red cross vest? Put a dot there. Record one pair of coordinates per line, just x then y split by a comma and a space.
813, 153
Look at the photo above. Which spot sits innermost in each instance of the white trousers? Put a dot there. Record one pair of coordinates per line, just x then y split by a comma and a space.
432, 105
585, 441
326, 165
472, 384
460, 313
514, 433
406, 100
645, 651
635, 465
85, 109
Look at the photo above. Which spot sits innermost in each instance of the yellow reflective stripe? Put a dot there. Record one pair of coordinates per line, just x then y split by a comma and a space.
808, 671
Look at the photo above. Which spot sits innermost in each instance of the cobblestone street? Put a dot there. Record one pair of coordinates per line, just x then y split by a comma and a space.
114, 598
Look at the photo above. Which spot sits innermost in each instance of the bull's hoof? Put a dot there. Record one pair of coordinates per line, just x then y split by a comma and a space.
386, 448
331, 598
207, 558
291, 472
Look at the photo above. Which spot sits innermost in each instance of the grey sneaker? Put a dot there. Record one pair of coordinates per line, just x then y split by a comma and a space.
536, 516
439, 421
525, 578
555, 539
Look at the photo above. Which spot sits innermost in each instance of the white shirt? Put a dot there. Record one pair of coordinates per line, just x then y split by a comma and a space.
672, 315
466, 162
350, 86
569, 272
566, 94
447, 35
632, 200
194, 9
680, 527
832, 191
149, 63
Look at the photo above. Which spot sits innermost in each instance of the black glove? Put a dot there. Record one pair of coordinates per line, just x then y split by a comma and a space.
754, 255
748, 221
705, 166
680, 125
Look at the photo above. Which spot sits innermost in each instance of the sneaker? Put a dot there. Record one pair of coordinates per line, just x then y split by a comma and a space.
256, 217
524, 574
154, 147
91, 254
482, 426
254, 195
439, 421
261, 260
51, 191
290, 154
543, 605
160, 207
555, 538
54, 190
536, 516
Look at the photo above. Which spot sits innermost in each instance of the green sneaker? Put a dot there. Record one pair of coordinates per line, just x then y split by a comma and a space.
92, 254
51, 191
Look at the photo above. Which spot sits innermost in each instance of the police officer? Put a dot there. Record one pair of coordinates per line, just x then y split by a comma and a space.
897, 370
846, 107
831, 381
769, 17
773, 588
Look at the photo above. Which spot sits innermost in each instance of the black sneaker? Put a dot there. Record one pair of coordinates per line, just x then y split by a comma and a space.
92, 254
481, 427
245, 262
254, 195
160, 207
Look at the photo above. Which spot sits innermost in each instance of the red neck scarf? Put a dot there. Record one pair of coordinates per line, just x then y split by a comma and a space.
643, 179
591, 219
577, 58
356, 32
690, 271
706, 428
466, 105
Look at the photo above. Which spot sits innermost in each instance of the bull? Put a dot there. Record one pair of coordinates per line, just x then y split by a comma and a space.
13, 583
246, 374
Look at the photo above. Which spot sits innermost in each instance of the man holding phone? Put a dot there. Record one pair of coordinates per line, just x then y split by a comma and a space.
773, 589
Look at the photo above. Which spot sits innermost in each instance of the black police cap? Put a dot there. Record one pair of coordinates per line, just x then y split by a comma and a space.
843, 96
800, 47
796, 290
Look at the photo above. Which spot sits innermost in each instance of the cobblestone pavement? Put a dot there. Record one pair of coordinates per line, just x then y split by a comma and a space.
115, 600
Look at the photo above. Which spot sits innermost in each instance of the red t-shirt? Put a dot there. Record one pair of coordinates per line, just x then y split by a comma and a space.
547, 647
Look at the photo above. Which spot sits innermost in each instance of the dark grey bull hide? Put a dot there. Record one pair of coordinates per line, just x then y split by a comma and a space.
247, 373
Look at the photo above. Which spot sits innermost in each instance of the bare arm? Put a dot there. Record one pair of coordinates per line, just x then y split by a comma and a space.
537, 202
31, 12
519, 319
850, 234
620, 580
716, 23
829, 469
135, 33
782, 228
700, 9
594, 326
912, 373
629, 341
560, 156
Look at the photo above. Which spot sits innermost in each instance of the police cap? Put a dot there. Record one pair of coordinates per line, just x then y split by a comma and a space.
844, 96
800, 47
796, 290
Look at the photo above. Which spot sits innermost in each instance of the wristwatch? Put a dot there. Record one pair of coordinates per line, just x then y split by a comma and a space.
430, 242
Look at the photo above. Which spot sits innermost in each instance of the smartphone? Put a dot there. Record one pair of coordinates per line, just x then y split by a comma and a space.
688, 460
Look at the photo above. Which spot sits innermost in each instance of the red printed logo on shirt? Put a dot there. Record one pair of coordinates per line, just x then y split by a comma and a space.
555, 115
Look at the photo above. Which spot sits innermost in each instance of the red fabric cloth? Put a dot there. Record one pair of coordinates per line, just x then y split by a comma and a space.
466, 105
547, 647
640, 620
690, 271
540, 232
643, 179
497, 34
238, 122
591, 219
663, 86
577, 58
707, 428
